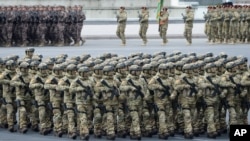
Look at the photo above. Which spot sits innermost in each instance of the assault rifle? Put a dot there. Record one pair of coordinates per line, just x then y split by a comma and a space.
26, 87
138, 89
237, 89
139, 16
46, 91
86, 89
166, 89
216, 86
114, 90
184, 17
192, 86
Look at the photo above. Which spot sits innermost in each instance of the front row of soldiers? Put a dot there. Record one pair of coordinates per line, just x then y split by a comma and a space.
228, 24
112, 96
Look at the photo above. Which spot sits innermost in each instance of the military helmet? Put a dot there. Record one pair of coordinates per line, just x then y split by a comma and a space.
128, 63
30, 49
83, 69
146, 61
34, 63
162, 53
57, 67
71, 67
49, 62
85, 57
154, 64
170, 65
209, 54
187, 67
241, 61
108, 68
10, 63
192, 54
148, 56
98, 61
24, 65
77, 58
223, 55
163, 67
138, 62
42, 66
89, 64
120, 65
209, 60
209, 65
231, 58
98, 67
134, 68
201, 57
59, 60
146, 67
230, 65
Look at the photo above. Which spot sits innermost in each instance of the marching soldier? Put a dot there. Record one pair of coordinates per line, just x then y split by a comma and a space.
56, 98
82, 90
68, 99
121, 19
163, 25
189, 18
143, 20
134, 89
41, 98
8, 94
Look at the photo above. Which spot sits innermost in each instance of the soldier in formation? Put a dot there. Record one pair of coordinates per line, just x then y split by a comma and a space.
41, 25
227, 24
140, 95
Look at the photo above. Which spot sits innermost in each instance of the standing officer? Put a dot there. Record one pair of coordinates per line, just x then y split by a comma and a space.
121, 19
163, 25
143, 19
189, 18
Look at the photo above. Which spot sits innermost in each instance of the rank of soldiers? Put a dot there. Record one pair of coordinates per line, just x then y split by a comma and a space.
140, 95
41, 25
228, 24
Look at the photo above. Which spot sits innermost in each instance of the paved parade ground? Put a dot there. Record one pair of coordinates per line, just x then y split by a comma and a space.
98, 47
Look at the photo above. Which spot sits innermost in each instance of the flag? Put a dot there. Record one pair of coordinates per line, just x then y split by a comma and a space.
159, 7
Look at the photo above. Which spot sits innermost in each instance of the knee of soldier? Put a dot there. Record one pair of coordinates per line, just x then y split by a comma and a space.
22, 110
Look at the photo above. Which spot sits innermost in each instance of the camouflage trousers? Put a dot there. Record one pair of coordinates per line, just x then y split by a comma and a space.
98, 115
188, 33
143, 32
135, 114
225, 31
71, 118
57, 116
190, 116
163, 32
27, 113
120, 32
3, 117
84, 119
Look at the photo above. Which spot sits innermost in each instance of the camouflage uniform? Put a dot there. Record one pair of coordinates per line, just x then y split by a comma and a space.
234, 25
41, 99
189, 25
56, 98
68, 99
121, 19
110, 94
163, 25
143, 19
82, 89
23, 98
134, 89
8, 107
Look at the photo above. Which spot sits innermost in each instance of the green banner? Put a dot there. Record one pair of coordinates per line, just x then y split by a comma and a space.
159, 7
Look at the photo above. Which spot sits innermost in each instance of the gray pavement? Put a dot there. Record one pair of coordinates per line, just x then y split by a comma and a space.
98, 47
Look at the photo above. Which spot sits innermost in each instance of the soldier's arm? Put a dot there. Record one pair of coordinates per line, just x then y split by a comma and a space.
190, 16
74, 87
48, 84
16, 81
125, 86
3, 79
34, 84
145, 18
245, 81
62, 86
153, 85
123, 17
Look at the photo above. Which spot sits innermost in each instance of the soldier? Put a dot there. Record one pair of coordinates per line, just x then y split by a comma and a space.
163, 25
213, 25
24, 26
134, 88
162, 87
226, 24
8, 95
68, 99
189, 18
29, 52
8, 27
82, 87
79, 25
41, 98
120, 75
210, 88
143, 20
207, 22
110, 96
56, 98
23, 99
41, 27
234, 24
186, 87
121, 19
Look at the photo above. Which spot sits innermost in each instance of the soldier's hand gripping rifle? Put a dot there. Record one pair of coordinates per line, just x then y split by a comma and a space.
237, 89
46, 91
216, 86
184, 17
166, 89
138, 89
114, 90
26, 87
192, 86
86, 89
